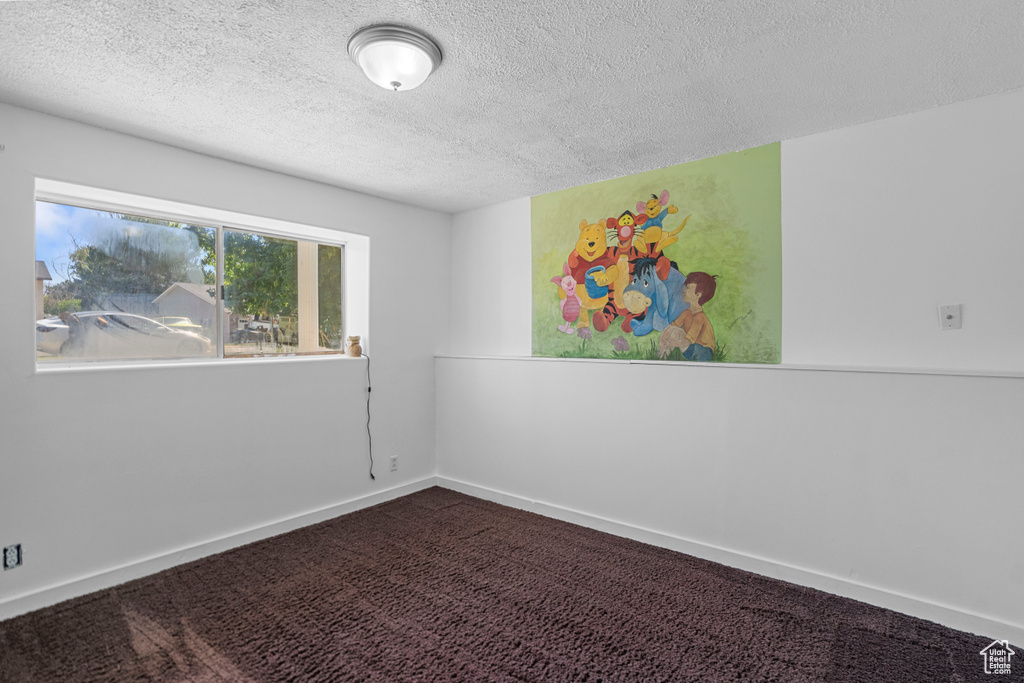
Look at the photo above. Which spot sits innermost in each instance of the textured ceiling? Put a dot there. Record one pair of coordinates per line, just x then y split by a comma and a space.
531, 97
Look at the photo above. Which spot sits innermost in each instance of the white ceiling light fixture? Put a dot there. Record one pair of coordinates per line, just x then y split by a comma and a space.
393, 57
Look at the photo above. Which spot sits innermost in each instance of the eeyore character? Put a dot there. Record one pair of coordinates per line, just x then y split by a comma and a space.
661, 299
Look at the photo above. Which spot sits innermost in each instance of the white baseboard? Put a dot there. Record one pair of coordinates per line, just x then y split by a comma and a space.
942, 614
51, 595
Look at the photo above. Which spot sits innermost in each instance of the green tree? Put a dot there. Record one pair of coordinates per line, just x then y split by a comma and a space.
206, 238
65, 290
119, 258
55, 306
329, 290
260, 274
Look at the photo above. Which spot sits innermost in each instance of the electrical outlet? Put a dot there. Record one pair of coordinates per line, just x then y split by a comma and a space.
394, 463
12, 556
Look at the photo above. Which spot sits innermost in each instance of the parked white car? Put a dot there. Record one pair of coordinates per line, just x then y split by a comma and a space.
51, 333
180, 322
112, 334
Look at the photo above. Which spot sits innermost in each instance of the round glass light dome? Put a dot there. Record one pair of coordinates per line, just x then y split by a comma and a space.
393, 57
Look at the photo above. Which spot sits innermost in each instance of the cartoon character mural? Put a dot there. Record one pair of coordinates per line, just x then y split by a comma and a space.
631, 279
653, 240
656, 302
691, 331
571, 302
620, 233
617, 305
624, 227
650, 221
636, 285
591, 264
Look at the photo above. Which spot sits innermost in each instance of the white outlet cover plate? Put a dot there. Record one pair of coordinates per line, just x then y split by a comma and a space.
949, 317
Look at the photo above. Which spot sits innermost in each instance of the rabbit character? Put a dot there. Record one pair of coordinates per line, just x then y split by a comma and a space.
570, 304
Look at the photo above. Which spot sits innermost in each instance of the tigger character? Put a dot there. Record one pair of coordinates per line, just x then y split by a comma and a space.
629, 250
622, 229
591, 256
616, 306
627, 224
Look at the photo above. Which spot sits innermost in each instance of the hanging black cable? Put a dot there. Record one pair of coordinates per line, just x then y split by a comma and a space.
369, 436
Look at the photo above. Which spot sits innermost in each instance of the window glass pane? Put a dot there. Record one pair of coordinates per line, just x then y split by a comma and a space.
260, 294
115, 286
329, 296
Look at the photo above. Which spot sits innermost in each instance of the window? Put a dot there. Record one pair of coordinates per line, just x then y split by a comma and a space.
118, 283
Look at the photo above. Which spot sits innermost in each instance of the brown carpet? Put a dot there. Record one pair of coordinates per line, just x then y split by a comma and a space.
439, 586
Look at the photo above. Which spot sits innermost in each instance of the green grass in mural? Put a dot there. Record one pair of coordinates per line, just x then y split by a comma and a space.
643, 348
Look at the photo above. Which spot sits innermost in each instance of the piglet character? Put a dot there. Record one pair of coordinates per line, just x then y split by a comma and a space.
570, 305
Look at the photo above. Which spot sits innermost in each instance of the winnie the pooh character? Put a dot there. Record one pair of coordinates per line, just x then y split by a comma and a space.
591, 256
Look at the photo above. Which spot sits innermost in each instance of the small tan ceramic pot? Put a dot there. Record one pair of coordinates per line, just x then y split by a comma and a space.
352, 347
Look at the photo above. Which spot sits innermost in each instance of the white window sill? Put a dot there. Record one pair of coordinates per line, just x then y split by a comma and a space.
56, 367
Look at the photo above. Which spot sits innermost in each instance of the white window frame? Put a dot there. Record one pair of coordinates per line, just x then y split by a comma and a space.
355, 261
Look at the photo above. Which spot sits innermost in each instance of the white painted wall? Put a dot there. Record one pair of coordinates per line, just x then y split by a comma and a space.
884, 222
877, 485
489, 249
104, 469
